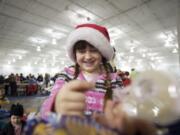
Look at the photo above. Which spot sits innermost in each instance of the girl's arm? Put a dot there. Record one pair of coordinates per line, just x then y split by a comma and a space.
48, 105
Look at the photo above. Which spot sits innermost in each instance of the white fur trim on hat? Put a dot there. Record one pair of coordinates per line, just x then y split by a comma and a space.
92, 36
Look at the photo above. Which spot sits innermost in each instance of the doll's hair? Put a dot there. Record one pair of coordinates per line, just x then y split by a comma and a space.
81, 45
17, 110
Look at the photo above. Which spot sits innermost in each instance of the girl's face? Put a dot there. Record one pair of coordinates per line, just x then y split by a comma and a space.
15, 120
88, 58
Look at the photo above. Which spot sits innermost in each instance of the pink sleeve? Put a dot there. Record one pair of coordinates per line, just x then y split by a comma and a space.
47, 106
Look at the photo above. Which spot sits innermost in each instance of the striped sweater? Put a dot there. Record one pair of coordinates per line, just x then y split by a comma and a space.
94, 98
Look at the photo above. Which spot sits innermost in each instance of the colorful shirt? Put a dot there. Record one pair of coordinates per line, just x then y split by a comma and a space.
94, 98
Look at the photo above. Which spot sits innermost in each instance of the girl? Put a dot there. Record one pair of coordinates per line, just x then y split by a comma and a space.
85, 87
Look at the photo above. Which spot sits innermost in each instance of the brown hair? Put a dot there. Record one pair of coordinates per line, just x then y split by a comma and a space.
81, 45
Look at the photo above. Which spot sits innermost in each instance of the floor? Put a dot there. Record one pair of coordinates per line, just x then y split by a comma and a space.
30, 103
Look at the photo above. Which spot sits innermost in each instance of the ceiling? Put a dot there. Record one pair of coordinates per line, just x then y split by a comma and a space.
33, 32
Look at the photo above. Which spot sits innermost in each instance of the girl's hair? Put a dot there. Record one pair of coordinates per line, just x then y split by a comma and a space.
82, 45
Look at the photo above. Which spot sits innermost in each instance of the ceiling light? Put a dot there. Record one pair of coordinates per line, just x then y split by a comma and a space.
35, 62
143, 55
54, 57
159, 60
48, 30
20, 51
152, 54
132, 50
115, 33
53, 64
38, 40
14, 60
162, 36
174, 50
19, 57
54, 41
152, 58
9, 62
44, 61
133, 43
58, 35
38, 48
169, 38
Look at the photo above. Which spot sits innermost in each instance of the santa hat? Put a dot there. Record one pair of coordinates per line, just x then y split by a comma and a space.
94, 34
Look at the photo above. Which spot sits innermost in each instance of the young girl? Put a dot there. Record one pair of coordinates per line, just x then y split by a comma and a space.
84, 88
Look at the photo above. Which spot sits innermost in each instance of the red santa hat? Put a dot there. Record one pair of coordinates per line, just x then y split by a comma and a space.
94, 34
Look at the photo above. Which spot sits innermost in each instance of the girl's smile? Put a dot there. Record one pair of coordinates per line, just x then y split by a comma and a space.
88, 58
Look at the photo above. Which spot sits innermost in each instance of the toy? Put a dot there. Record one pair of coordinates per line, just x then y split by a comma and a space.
154, 96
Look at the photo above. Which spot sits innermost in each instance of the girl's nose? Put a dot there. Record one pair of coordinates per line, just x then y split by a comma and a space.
88, 55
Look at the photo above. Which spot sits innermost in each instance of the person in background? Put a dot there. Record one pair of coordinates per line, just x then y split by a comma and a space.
16, 125
17, 78
125, 77
2, 79
22, 78
47, 79
3, 99
13, 84
40, 82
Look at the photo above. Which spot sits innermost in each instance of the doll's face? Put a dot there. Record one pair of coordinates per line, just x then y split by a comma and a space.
15, 120
88, 58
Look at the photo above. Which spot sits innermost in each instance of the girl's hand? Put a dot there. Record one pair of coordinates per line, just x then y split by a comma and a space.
116, 118
113, 116
71, 98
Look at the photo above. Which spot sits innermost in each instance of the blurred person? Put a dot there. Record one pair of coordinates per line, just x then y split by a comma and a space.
16, 124
3, 99
13, 84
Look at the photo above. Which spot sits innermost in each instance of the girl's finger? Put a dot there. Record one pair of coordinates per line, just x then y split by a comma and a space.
79, 85
74, 106
74, 96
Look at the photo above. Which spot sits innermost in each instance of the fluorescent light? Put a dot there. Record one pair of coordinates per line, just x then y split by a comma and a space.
174, 50
44, 61
133, 43
14, 60
38, 48
58, 35
38, 40
152, 58
49, 31
132, 49
19, 57
115, 32
54, 41
152, 54
143, 55
20, 51
53, 64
